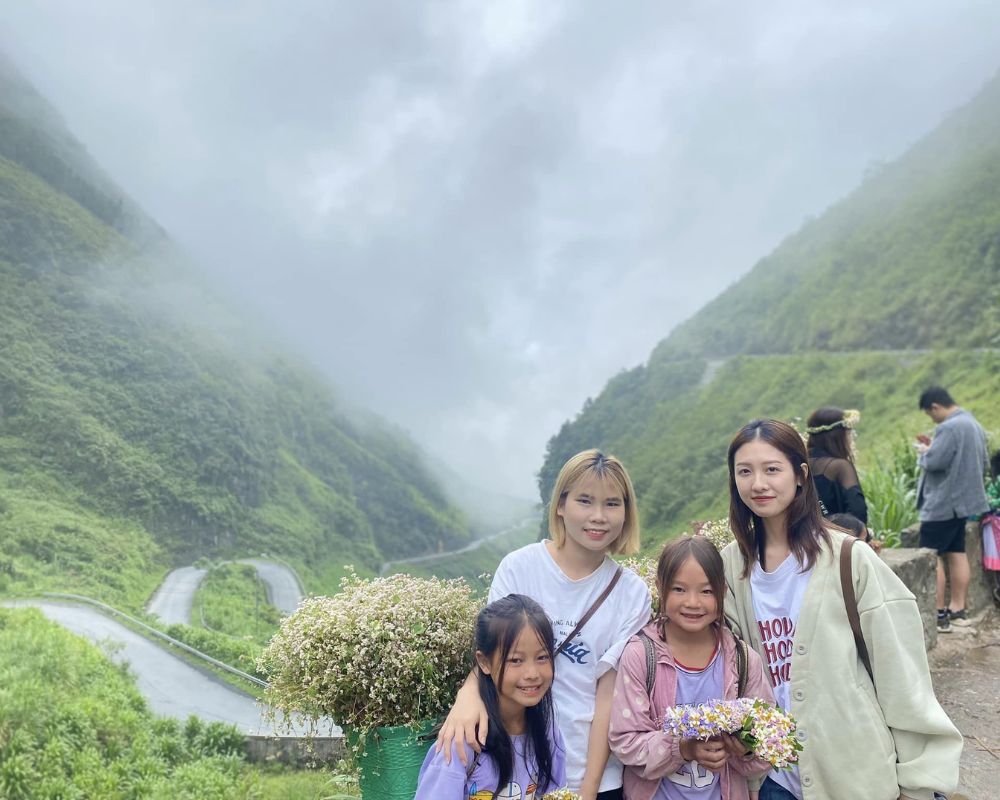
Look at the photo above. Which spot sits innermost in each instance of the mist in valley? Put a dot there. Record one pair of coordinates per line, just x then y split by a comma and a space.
470, 216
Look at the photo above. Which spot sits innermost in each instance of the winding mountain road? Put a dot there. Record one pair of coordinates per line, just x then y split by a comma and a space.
174, 600
172, 687
283, 589
474, 545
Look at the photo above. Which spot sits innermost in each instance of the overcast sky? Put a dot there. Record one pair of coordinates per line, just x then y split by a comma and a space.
471, 215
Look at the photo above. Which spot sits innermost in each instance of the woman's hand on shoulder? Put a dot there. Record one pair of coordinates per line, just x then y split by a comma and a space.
466, 724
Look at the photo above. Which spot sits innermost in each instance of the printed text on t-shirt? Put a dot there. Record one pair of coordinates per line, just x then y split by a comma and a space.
776, 637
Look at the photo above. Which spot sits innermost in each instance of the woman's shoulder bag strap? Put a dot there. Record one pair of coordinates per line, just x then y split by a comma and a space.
851, 604
590, 611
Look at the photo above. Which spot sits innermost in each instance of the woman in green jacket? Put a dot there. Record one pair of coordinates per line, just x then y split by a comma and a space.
880, 740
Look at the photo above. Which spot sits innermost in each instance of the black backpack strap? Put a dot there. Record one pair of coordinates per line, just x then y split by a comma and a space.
647, 643
742, 657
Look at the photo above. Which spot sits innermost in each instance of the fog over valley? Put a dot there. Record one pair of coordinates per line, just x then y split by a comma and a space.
470, 215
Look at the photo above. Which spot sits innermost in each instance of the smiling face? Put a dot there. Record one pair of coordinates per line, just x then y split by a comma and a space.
593, 514
690, 604
765, 478
526, 675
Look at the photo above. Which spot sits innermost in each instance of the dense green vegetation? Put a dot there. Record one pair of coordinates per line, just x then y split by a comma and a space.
143, 424
74, 727
677, 453
892, 289
232, 600
909, 260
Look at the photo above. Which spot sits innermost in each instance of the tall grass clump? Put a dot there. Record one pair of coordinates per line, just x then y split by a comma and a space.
890, 487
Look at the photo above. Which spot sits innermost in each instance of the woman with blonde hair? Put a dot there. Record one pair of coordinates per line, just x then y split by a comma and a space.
595, 607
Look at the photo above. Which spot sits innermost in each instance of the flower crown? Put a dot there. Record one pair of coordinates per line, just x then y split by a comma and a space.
850, 421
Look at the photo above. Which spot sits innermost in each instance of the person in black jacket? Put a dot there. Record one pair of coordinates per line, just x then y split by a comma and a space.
831, 462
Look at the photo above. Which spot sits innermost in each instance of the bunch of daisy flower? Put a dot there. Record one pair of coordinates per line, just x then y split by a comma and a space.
717, 531
645, 568
561, 794
384, 652
764, 728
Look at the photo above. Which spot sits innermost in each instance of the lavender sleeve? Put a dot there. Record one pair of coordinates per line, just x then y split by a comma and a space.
558, 750
440, 781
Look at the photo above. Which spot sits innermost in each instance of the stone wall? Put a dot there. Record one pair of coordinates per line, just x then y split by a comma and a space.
295, 750
981, 582
915, 567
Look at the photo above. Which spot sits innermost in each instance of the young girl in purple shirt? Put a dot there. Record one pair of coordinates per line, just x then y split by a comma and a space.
524, 755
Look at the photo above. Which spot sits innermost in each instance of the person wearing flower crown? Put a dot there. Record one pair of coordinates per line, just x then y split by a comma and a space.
831, 462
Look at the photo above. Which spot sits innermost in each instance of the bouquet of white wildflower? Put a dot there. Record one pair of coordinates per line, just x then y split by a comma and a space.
645, 568
384, 652
561, 794
716, 531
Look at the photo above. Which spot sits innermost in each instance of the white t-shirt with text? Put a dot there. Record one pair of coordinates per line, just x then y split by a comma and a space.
594, 650
777, 598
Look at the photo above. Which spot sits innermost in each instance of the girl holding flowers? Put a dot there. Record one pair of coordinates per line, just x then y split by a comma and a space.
880, 738
523, 755
595, 607
696, 661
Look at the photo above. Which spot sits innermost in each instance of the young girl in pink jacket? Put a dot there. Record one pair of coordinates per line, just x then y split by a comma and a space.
696, 661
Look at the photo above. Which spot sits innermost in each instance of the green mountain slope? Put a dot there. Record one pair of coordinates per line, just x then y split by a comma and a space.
909, 260
892, 289
142, 423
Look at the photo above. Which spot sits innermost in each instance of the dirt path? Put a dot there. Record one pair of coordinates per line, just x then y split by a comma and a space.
966, 670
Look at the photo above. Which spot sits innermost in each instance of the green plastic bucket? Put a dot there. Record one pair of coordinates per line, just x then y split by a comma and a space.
390, 760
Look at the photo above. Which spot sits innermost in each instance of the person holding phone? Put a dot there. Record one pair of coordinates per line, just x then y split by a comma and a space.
950, 491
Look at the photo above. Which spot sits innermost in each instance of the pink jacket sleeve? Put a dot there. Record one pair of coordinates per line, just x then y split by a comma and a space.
635, 737
758, 686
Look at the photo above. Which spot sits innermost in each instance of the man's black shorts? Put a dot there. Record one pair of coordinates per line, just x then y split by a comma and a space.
945, 536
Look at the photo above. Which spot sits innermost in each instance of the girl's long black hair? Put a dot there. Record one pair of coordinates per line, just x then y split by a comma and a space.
497, 628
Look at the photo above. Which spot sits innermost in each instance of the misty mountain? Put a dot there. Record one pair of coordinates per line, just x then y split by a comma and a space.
144, 422
891, 289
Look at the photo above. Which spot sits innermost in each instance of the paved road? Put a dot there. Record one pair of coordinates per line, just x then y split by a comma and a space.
172, 601
283, 589
475, 545
172, 687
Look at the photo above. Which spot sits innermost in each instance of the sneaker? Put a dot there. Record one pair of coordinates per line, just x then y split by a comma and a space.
943, 621
959, 618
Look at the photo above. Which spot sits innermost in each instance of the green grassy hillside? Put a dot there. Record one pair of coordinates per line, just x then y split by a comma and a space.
909, 260
143, 424
892, 289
